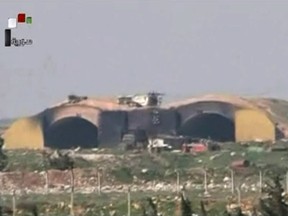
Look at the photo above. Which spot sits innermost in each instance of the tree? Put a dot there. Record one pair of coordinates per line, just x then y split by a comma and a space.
235, 212
27, 207
3, 157
203, 210
58, 160
275, 204
183, 207
149, 208
238, 212
62, 161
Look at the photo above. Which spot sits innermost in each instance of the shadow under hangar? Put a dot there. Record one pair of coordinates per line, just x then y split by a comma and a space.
89, 122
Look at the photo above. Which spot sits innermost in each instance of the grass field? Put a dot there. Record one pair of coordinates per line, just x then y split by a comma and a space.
160, 166
127, 168
94, 205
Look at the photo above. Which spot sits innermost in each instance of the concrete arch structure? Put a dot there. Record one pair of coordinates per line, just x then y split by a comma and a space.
253, 125
88, 113
209, 125
223, 118
70, 132
70, 126
207, 119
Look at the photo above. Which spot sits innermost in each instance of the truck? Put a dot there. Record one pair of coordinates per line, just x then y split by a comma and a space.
134, 139
157, 145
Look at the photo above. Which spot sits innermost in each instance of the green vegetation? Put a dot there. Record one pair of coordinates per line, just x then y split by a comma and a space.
134, 168
163, 166
93, 204
274, 205
123, 174
3, 157
148, 204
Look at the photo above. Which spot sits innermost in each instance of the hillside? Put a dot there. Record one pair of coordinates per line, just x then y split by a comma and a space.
6, 122
277, 108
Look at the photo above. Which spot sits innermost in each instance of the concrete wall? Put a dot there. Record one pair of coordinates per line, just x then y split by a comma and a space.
111, 126
87, 112
153, 120
252, 125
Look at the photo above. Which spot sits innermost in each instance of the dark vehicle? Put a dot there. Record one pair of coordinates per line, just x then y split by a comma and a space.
134, 139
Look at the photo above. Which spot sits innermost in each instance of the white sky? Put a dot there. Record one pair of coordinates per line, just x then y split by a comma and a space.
181, 48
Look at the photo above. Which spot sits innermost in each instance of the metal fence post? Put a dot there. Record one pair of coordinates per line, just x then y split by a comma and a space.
129, 201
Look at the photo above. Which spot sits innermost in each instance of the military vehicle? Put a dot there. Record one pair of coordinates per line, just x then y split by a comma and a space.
134, 139
141, 100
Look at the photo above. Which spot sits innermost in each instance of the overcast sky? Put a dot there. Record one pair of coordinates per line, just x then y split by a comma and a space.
181, 48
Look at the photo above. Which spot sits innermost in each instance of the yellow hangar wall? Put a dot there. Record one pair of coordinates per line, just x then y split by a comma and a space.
253, 125
25, 133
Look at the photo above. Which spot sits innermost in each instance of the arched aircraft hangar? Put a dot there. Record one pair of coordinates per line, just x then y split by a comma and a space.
91, 123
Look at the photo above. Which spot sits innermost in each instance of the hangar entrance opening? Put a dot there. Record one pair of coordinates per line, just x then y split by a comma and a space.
209, 126
72, 132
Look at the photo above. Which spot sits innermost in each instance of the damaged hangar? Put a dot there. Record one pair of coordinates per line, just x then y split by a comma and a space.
91, 123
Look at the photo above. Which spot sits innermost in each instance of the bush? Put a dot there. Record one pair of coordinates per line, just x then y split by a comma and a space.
123, 174
275, 204
3, 157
